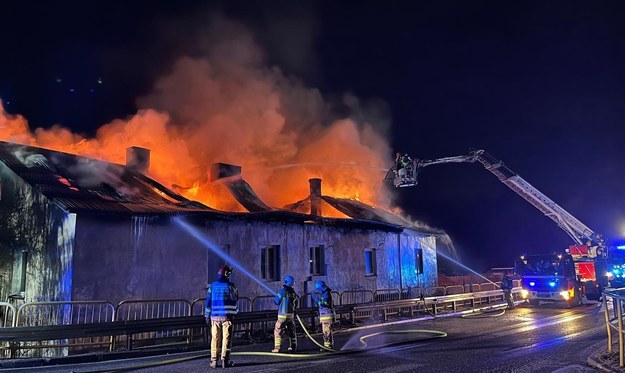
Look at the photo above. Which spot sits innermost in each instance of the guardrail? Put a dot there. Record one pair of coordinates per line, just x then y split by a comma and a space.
614, 321
39, 314
154, 309
161, 322
7, 319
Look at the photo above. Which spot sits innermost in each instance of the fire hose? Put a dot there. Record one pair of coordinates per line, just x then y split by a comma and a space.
484, 314
330, 351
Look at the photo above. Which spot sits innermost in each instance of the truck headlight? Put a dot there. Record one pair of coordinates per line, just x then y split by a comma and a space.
565, 294
524, 293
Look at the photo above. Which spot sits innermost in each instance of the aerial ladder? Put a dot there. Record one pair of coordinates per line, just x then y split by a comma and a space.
578, 231
589, 246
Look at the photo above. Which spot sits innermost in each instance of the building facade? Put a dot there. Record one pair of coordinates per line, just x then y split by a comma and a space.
73, 228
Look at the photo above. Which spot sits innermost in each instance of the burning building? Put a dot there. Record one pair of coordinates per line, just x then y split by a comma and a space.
76, 228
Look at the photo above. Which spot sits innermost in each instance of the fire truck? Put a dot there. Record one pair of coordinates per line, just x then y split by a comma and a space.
582, 266
551, 277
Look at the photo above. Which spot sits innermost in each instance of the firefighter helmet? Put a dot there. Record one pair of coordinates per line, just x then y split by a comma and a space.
289, 280
225, 271
319, 285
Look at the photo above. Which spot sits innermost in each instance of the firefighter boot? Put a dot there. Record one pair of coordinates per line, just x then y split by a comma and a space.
227, 364
213, 364
293, 348
276, 345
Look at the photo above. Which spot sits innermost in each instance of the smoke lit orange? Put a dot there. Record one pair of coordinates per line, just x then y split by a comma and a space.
238, 112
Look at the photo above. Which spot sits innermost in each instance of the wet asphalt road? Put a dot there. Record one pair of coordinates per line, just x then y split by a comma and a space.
543, 339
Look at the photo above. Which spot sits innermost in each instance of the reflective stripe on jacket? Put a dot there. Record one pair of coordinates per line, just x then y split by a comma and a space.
221, 299
325, 303
285, 299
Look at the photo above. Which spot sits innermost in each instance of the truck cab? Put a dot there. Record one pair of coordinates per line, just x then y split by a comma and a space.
549, 278
616, 275
615, 268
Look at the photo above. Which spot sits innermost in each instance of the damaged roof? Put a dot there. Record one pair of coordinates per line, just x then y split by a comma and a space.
245, 195
360, 211
80, 184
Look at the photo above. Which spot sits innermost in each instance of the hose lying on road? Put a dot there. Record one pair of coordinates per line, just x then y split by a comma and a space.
330, 352
434, 333
484, 314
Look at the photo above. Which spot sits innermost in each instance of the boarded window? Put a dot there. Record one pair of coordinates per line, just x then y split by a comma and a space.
18, 283
317, 260
418, 259
270, 263
370, 263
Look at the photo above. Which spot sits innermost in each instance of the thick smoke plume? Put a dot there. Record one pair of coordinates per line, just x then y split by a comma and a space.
229, 106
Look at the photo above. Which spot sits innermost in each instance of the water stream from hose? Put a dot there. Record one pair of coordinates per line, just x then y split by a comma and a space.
209, 244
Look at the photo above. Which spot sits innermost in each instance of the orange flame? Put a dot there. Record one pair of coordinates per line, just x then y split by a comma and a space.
237, 112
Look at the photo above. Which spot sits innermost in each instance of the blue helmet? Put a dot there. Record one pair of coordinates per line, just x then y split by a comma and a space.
289, 280
319, 285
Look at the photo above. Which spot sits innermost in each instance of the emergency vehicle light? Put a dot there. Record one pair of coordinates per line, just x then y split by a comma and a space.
532, 283
565, 294
620, 247
552, 284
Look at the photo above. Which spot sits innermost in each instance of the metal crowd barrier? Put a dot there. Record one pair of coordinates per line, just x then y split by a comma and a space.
56, 327
455, 289
357, 297
61, 313
472, 288
154, 309
487, 286
7, 314
435, 291
614, 299
7, 320
263, 302
387, 295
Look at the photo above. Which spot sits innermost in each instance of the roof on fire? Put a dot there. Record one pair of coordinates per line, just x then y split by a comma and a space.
78, 183
82, 184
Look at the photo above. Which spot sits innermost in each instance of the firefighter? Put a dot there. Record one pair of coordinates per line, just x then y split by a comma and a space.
285, 300
402, 165
506, 286
397, 160
219, 310
322, 298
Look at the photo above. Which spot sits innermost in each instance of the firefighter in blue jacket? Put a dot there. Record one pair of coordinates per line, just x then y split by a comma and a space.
506, 286
285, 299
219, 310
322, 298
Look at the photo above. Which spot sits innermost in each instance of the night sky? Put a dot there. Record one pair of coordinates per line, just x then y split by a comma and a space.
539, 85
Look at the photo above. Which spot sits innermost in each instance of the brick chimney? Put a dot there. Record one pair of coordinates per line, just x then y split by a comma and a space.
221, 170
315, 196
138, 159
